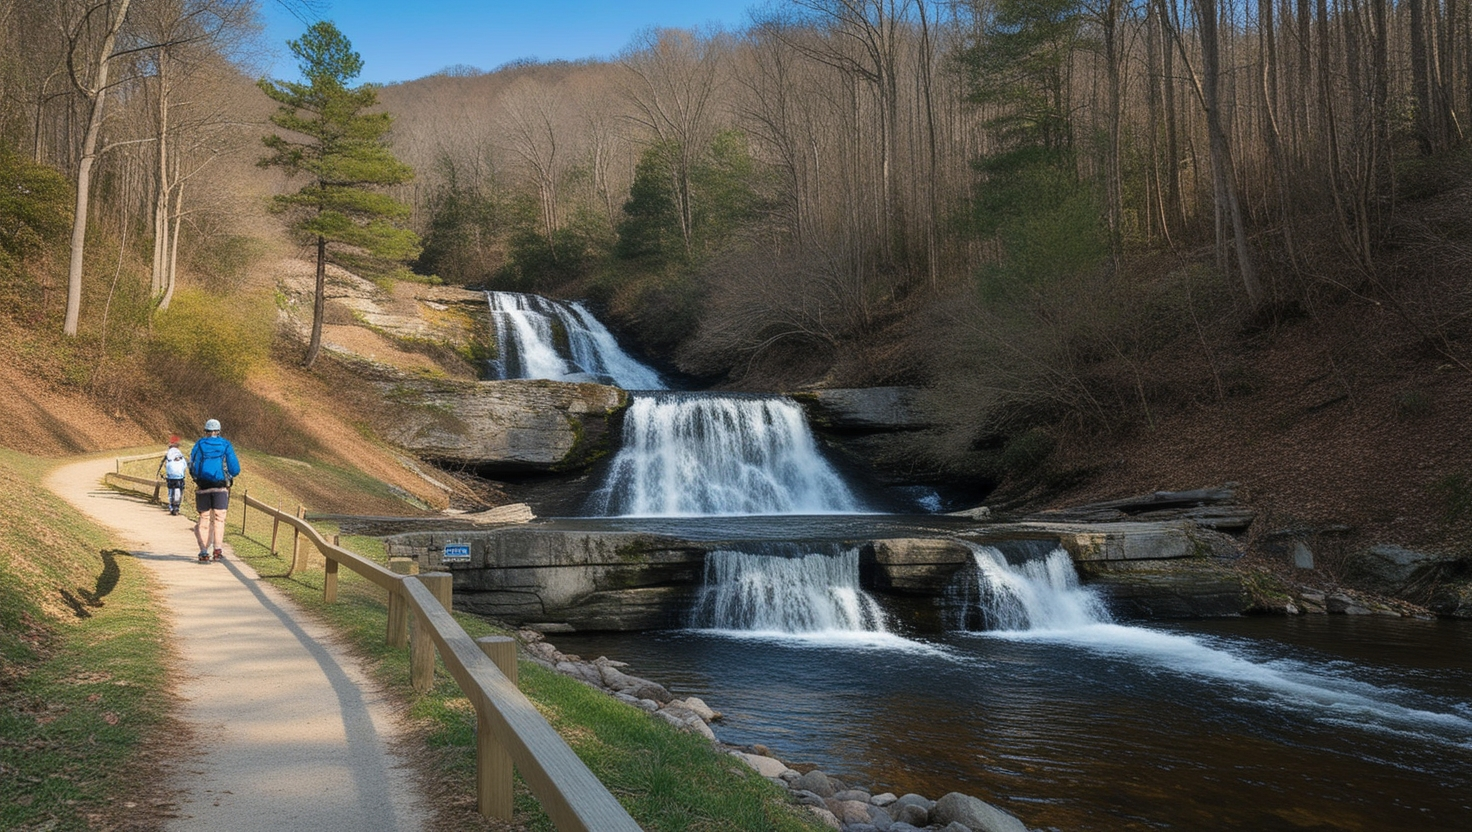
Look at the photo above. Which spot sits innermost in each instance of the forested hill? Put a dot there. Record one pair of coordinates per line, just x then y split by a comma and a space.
1120, 245
1076, 224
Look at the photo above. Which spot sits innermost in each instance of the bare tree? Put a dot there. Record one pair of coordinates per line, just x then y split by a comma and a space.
91, 37
674, 78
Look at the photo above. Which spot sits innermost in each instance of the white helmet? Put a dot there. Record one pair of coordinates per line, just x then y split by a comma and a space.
212, 424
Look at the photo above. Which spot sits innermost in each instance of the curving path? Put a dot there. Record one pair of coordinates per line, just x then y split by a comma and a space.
292, 735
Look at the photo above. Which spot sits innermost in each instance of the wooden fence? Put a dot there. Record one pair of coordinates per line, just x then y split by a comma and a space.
509, 730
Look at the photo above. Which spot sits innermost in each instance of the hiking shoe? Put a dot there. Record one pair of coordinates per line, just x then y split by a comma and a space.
219, 555
204, 557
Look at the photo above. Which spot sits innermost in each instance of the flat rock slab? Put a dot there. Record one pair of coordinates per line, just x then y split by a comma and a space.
291, 733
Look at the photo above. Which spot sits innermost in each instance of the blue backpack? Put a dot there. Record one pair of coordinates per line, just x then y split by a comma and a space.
207, 465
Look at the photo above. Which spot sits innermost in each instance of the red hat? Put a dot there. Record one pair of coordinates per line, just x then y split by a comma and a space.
173, 439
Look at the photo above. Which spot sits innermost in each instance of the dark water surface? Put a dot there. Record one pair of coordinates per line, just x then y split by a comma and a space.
1305, 723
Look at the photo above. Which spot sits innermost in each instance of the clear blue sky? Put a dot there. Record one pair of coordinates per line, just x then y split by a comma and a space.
405, 39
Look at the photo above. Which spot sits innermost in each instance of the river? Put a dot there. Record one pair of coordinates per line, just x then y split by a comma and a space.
1305, 723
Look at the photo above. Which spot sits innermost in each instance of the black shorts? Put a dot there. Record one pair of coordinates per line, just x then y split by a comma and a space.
179, 483
206, 500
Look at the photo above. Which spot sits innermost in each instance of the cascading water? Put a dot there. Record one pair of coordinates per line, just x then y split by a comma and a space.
692, 454
787, 588
1042, 600
1037, 594
541, 338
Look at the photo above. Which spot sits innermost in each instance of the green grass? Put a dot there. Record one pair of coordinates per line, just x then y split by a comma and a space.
83, 660
669, 781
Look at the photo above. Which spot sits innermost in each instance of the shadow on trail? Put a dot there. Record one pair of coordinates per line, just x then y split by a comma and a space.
107, 581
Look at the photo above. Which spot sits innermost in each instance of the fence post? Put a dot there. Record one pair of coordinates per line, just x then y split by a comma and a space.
421, 644
493, 768
275, 527
329, 581
296, 541
398, 617
244, 510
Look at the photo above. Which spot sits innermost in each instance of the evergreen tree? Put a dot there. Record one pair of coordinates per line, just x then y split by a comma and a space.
341, 150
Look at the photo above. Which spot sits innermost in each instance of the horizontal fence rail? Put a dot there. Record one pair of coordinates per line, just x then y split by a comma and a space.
510, 732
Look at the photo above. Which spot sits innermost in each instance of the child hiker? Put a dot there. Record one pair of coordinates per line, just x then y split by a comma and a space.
173, 466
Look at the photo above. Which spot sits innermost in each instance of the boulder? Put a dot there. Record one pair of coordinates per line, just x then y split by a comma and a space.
1395, 570
504, 427
975, 814
765, 766
849, 811
698, 705
816, 782
1453, 601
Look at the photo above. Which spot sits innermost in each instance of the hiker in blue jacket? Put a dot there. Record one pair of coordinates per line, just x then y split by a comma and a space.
213, 465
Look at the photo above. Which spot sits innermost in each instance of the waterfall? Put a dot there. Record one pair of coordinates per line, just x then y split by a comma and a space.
787, 589
541, 338
1037, 594
689, 454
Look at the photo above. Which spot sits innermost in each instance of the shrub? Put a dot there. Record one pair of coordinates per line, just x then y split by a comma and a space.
230, 334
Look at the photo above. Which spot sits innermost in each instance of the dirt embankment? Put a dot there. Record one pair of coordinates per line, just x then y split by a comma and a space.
322, 415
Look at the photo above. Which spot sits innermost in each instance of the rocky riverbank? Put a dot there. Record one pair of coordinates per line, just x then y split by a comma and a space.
839, 805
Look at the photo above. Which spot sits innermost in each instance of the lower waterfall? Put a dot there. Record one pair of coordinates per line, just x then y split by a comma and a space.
1037, 594
788, 589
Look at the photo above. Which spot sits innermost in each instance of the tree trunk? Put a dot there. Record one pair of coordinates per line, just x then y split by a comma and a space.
1421, 80
96, 93
161, 213
319, 304
1223, 174
1114, 189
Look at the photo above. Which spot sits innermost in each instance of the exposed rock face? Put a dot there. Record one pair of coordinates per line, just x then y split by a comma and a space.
506, 427
882, 431
559, 580
574, 580
1179, 588
864, 409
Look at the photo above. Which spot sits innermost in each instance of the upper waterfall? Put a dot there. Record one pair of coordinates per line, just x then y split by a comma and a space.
692, 454
541, 338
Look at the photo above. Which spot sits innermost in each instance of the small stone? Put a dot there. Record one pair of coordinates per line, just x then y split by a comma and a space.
825, 817
911, 813
852, 794
883, 799
807, 798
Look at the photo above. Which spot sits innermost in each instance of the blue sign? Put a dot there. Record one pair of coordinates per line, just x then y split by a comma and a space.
457, 553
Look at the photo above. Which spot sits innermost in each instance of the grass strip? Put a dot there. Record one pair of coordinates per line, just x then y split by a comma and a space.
84, 662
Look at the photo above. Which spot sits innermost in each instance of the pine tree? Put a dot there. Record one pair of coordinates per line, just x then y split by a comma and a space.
341, 150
